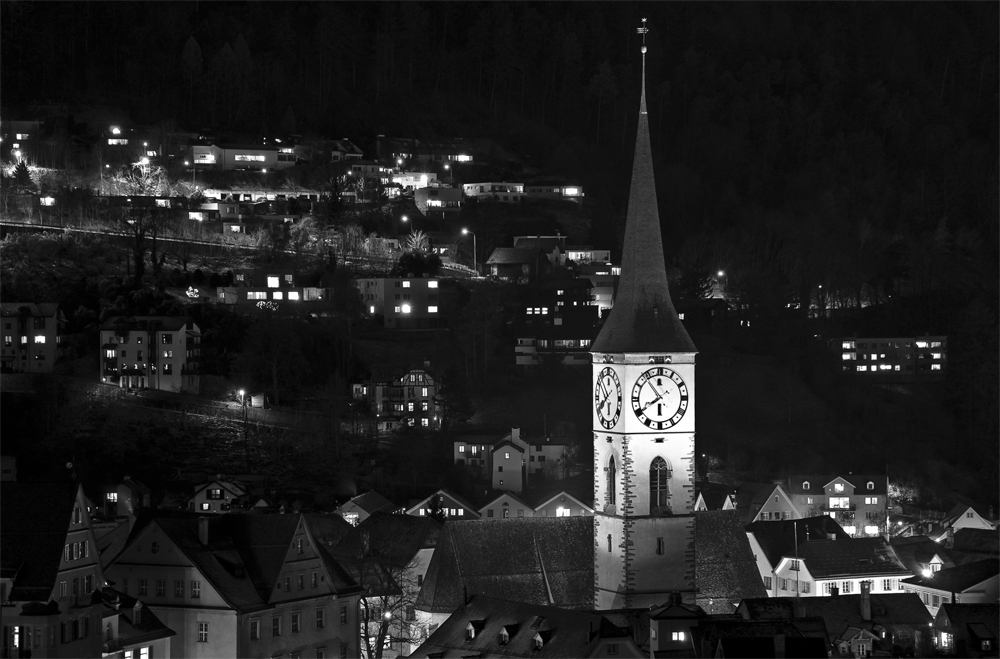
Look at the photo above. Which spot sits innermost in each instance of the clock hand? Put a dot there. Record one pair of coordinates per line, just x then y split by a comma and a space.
660, 396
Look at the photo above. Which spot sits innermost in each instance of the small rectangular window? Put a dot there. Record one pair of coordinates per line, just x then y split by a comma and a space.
660, 546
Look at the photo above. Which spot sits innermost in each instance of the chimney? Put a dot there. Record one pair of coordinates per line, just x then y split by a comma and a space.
866, 601
137, 613
515, 434
203, 530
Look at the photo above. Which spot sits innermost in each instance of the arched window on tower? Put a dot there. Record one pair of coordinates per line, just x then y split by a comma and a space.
612, 479
659, 487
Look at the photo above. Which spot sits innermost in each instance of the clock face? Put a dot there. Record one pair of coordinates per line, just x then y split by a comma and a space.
659, 398
608, 397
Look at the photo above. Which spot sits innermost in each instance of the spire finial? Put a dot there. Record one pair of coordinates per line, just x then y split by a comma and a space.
643, 30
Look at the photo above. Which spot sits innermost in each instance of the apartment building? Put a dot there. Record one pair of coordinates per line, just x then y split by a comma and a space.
401, 302
898, 359
151, 352
31, 333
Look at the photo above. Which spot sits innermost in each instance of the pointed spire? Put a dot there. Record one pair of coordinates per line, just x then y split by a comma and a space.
643, 318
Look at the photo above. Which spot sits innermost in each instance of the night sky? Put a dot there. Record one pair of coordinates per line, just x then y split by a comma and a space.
851, 145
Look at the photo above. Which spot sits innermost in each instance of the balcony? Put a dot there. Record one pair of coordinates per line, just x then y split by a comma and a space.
839, 509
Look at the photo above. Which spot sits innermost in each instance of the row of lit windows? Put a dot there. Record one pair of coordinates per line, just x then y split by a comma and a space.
894, 368
432, 283
123, 339
453, 512
850, 356
406, 308
110, 354
275, 295
850, 345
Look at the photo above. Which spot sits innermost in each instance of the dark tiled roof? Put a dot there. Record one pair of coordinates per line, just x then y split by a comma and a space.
977, 540
818, 481
958, 579
131, 631
842, 611
34, 521
565, 632
395, 538
977, 617
643, 318
113, 542
513, 256
917, 551
826, 559
778, 539
371, 501
328, 528
505, 558
714, 494
724, 564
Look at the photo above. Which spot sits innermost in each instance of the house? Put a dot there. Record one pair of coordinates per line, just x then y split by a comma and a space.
124, 499
401, 302
560, 252
921, 555
972, 583
561, 504
494, 191
602, 278
50, 572
401, 399
813, 556
906, 359
882, 623
240, 157
359, 508
967, 630
414, 180
544, 458
388, 555
438, 203
130, 629
509, 464
517, 264
22, 140
217, 496
154, 352
344, 149
269, 290
31, 336
961, 516
554, 190
489, 626
448, 503
556, 324
859, 503
455, 150
506, 506
241, 586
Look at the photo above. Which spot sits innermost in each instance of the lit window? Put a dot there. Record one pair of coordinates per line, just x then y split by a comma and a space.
425, 422
871, 530
248, 157
677, 636
461, 449
506, 455
117, 141
432, 309
273, 282
406, 308
935, 367
256, 295
838, 487
862, 368
432, 284
293, 295
39, 338
406, 284
278, 295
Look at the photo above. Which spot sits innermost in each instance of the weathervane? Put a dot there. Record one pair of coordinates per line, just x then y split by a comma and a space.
643, 30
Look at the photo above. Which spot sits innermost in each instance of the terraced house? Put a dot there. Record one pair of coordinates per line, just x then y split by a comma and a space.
241, 586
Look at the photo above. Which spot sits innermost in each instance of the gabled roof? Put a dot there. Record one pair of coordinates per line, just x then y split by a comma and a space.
842, 611
328, 529
714, 494
34, 521
855, 557
445, 494
564, 632
817, 482
959, 510
504, 495
370, 502
643, 318
394, 539
960, 578
245, 553
725, 569
803, 637
499, 446
778, 539
113, 542
513, 256
917, 551
540, 561
540, 503
233, 488
982, 620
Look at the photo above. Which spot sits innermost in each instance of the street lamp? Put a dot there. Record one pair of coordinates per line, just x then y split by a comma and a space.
451, 175
193, 170
474, 263
406, 221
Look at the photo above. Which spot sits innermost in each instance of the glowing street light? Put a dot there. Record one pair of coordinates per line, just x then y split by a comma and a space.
474, 263
115, 130
406, 220
246, 442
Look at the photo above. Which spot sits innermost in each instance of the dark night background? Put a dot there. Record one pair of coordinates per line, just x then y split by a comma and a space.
845, 144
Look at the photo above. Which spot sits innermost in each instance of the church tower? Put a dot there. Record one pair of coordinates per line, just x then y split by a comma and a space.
644, 414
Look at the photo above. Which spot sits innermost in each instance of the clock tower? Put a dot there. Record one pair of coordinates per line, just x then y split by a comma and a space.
644, 417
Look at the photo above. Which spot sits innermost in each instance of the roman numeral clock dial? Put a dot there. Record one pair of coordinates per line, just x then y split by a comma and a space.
659, 398
608, 397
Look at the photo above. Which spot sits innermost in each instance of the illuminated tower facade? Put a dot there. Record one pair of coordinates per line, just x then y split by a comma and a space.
644, 418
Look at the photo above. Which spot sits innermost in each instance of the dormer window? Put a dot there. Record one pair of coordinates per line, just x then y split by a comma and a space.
871, 485
539, 641
805, 485
504, 637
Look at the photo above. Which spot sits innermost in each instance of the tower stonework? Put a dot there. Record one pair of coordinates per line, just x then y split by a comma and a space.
643, 418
